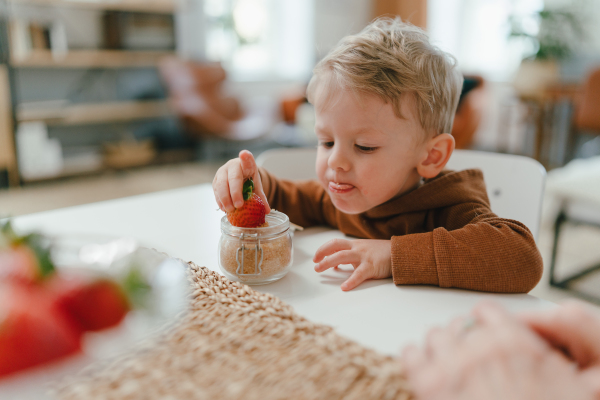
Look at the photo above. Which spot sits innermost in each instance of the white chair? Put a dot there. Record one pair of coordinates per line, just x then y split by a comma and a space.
515, 184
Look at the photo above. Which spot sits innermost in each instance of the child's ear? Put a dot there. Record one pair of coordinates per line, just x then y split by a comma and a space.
439, 149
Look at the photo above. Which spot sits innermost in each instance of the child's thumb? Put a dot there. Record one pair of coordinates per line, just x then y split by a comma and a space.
248, 164
258, 189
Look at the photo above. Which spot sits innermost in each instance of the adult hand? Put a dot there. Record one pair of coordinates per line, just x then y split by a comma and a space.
497, 357
573, 329
371, 259
229, 180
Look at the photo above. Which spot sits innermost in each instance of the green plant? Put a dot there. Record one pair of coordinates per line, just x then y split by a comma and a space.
558, 32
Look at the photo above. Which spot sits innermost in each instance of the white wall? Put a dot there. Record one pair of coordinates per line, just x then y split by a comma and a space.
335, 19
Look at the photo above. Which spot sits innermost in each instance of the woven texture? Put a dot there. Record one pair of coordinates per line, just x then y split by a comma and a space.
236, 343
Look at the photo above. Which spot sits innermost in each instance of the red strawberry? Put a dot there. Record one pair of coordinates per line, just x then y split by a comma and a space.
252, 213
91, 302
25, 259
32, 330
19, 263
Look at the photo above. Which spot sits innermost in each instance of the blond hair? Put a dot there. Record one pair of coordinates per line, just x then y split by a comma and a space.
389, 58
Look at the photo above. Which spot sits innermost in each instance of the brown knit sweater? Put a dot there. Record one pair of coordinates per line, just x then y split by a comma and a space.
443, 233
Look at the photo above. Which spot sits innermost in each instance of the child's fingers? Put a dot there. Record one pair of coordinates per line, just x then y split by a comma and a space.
235, 180
359, 275
221, 189
333, 246
338, 258
248, 164
258, 189
250, 170
219, 203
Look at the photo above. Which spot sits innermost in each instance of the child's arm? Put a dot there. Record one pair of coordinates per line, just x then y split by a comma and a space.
305, 202
473, 249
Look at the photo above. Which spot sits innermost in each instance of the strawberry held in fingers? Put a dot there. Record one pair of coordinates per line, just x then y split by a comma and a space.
252, 213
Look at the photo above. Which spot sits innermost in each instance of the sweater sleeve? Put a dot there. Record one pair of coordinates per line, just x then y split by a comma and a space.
305, 202
471, 248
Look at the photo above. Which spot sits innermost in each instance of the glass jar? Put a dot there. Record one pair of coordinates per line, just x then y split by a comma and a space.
256, 256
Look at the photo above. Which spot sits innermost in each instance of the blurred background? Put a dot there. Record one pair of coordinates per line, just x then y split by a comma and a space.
101, 99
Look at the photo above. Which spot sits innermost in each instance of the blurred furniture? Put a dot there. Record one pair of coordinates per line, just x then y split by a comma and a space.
8, 159
469, 112
413, 11
37, 43
290, 163
198, 96
542, 109
576, 187
515, 184
586, 116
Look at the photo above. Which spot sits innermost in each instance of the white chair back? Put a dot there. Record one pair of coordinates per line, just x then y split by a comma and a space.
515, 184
290, 163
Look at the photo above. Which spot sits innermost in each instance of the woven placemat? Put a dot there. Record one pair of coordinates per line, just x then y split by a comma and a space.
236, 343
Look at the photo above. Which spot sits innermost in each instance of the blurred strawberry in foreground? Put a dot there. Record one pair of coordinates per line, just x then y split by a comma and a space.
44, 312
24, 258
93, 303
32, 330
18, 263
252, 213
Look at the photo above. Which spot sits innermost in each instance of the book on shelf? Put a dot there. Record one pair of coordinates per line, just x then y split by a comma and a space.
138, 31
26, 36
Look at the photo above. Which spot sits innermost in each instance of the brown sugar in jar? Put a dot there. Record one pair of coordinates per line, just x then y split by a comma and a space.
256, 256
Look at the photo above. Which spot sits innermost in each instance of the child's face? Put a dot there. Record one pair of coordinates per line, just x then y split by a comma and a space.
367, 155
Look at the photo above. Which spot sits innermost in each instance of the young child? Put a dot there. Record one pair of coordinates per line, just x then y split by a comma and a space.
385, 101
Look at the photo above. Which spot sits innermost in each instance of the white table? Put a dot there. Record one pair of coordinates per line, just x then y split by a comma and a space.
185, 223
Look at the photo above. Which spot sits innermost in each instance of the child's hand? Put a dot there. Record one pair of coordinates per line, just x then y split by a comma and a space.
371, 259
229, 181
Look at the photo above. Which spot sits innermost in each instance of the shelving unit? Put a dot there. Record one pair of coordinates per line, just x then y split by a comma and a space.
164, 158
80, 114
147, 6
90, 59
61, 113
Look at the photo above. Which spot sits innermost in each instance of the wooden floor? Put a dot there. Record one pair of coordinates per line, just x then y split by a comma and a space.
579, 246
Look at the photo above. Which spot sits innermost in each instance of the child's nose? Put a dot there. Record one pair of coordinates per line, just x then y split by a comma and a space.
338, 160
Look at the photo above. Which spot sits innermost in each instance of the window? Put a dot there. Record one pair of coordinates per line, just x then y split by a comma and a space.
476, 32
261, 39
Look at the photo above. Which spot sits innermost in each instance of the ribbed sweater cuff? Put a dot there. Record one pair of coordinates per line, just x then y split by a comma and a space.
413, 260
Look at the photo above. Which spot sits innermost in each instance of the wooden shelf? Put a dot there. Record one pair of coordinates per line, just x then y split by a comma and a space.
164, 157
146, 6
81, 114
90, 59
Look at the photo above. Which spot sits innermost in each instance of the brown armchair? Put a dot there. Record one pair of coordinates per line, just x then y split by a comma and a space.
586, 117
198, 98
469, 112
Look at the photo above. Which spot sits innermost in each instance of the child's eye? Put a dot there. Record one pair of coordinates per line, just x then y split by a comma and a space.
327, 145
366, 149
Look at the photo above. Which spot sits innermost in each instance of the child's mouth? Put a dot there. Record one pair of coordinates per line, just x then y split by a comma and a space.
340, 187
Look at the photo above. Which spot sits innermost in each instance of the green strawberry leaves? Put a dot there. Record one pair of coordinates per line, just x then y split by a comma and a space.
247, 189
35, 241
41, 247
136, 286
